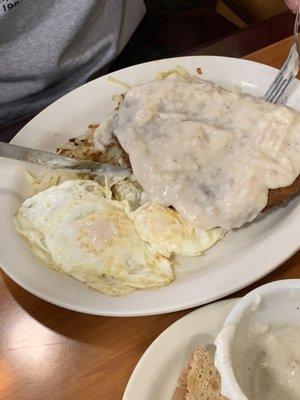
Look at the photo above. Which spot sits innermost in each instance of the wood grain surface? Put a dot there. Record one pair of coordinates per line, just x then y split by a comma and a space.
249, 39
48, 353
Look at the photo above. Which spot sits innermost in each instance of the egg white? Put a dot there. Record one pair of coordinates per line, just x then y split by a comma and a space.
76, 229
168, 233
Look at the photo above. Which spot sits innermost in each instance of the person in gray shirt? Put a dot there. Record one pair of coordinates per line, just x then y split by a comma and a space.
49, 47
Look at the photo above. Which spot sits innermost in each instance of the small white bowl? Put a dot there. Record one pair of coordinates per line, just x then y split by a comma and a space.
275, 303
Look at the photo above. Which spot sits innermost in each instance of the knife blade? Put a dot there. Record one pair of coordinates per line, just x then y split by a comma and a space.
54, 161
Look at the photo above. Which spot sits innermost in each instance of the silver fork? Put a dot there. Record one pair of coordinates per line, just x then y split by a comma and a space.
288, 72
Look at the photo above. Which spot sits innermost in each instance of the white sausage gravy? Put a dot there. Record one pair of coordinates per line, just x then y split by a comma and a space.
210, 153
270, 367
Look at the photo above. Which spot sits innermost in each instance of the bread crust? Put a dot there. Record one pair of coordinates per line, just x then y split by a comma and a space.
200, 380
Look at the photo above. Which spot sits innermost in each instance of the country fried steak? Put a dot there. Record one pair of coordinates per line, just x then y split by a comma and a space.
82, 148
281, 195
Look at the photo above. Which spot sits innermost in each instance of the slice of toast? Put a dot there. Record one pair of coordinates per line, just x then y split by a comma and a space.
200, 380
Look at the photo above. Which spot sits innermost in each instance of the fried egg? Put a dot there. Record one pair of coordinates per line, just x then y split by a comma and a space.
76, 229
168, 233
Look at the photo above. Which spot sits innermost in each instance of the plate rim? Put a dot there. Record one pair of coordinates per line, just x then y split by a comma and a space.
91, 82
166, 309
132, 314
180, 321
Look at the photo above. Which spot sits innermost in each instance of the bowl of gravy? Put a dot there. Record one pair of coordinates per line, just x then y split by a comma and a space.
258, 349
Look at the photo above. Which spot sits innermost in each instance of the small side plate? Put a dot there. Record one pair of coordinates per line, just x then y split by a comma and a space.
155, 376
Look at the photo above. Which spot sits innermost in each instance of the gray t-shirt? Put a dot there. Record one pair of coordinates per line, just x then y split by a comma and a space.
49, 47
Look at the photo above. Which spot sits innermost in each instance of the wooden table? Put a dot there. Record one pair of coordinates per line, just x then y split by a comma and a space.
48, 353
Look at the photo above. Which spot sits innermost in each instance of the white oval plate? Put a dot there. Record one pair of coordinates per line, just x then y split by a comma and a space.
155, 375
244, 256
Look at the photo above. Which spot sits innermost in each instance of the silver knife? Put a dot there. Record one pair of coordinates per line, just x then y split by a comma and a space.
54, 161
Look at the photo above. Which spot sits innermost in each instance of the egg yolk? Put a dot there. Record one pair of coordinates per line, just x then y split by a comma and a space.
96, 233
